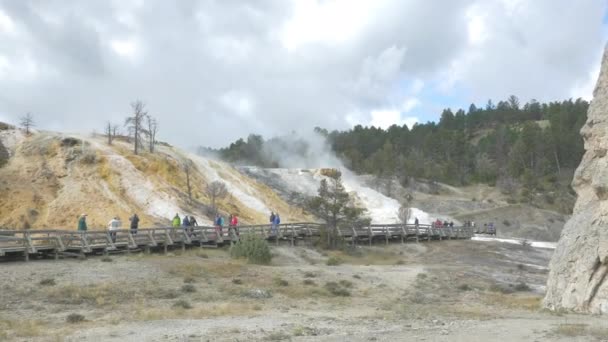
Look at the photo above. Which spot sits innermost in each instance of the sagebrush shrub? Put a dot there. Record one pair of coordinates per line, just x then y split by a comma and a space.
253, 248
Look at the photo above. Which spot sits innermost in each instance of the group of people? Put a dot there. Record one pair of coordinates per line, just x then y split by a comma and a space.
444, 224
233, 222
187, 222
114, 225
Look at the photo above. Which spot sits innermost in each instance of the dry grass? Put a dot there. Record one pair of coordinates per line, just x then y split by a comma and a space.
98, 295
571, 330
579, 329
187, 270
22, 328
367, 256
202, 310
513, 301
224, 269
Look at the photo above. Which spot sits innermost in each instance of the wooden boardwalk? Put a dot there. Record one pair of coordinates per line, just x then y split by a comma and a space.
24, 244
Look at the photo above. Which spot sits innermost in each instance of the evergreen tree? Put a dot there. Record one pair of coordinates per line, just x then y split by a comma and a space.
334, 206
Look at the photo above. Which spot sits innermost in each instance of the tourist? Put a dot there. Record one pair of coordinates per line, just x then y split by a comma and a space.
82, 223
177, 221
272, 219
134, 223
219, 224
233, 223
276, 223
113, 226
193, 224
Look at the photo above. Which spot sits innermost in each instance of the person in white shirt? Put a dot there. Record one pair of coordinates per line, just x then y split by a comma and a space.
113, 226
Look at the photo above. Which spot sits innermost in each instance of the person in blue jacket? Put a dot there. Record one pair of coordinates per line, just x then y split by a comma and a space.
276, 223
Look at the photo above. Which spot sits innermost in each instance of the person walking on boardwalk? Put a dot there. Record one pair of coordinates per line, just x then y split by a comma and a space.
193, 224
219, 224
186, 222
82, 223
272, 219
134, 223
276, 223
232, 225
113, 226
416, 222
176, 221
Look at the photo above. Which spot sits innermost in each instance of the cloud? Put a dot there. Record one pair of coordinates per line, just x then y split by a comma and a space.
214, 71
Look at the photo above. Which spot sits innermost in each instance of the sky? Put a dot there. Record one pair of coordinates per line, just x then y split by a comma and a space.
212, 71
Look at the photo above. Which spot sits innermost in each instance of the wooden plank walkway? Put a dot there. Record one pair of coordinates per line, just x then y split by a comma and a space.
23, 244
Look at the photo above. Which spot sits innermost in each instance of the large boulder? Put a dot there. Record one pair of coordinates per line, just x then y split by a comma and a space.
578, 278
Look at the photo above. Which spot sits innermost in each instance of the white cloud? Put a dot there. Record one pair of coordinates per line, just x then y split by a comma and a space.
125, 48
410, 104
7, 26
214, 71
239, 103
388, 117
333, 22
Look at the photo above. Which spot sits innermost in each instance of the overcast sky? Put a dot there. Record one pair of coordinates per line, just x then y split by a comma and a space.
213, 71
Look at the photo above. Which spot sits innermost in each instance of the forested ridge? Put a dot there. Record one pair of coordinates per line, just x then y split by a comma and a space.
521, 148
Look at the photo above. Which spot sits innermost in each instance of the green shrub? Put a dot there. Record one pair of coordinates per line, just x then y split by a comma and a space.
74, 318
188, 288
336, 289
47, 282
237, 281
309, 282
281, 282
522, 287
182, 303
4, 155
346, 283
333, 261
253, 248
465, 287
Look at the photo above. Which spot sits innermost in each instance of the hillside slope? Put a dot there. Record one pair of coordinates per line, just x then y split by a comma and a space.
51, 178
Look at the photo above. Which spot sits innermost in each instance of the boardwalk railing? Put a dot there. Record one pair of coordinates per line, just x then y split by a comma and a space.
56, 242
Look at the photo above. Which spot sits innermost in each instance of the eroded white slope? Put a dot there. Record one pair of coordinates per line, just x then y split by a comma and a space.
380, 208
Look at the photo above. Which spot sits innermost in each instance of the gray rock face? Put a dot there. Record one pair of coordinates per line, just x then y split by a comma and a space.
578, 279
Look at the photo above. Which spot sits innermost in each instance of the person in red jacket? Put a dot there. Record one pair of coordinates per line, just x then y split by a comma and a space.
233, 223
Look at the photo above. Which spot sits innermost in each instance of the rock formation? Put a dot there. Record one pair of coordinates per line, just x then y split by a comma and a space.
578, 279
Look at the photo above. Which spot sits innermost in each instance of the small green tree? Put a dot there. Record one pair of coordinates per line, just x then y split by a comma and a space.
334, 206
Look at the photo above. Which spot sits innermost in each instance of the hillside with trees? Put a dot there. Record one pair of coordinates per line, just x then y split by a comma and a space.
523, 149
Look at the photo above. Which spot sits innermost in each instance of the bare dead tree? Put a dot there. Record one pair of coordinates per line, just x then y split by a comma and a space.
188, 171
111, 132
405, 210
405, 213
135, 124
152, 130
216, 190
27, 122
108, 132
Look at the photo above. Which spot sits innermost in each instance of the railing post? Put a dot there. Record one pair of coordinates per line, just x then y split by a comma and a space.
26, 241
386, 233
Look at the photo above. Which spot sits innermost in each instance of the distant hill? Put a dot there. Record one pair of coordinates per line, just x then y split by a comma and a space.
528, 151
50, 178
